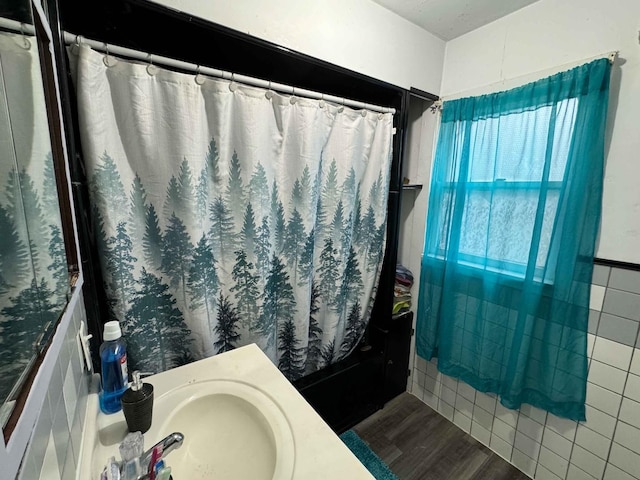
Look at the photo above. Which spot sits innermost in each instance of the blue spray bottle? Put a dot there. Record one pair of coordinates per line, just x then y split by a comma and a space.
115, 377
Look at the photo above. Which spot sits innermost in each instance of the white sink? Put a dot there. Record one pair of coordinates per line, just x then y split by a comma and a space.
241, 419
231, 430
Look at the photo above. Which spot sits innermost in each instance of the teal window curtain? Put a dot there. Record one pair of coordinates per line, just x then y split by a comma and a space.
513, 216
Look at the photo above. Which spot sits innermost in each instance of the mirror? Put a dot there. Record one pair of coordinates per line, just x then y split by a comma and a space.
34, 278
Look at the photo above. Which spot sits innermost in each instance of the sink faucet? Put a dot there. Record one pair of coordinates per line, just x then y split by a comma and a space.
168, 444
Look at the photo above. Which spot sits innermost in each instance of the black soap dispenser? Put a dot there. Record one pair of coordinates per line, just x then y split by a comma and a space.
137, 405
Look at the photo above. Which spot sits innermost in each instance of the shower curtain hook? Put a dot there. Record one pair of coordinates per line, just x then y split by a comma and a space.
199, 78
269, 92
27, 43
232, 86
107, 58
75, 47
341, 109
293, 98
151, 68
321, 102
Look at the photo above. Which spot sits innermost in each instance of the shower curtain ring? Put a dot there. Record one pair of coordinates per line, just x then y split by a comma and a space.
107, 58
321, 102
151, 68
232, 86
269, 93
75, 47
27, 43
199, 78
293, 98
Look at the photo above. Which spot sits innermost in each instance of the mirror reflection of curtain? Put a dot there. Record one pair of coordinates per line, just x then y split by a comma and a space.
225, 217
33, 268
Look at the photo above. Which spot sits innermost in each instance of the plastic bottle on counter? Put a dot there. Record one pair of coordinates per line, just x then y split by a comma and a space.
115, 377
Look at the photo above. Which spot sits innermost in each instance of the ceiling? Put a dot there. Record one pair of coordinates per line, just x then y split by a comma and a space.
449, 19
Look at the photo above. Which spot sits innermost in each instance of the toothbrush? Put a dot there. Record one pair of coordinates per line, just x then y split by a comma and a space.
164, 474
155, 456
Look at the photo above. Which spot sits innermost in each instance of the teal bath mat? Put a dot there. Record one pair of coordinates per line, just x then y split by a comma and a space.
367, 457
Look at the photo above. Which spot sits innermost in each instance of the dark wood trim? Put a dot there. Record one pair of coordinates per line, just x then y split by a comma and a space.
191, 39
57, 145
94, 297
617, 264
259, 42
416, 92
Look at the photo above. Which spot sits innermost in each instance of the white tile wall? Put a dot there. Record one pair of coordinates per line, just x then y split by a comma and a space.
607, 376
501, 447
576, 473
614, 473
606, 446
480, 433
594, 442
597, 297
632, 389
627, 436
625, 460
553, 462
630, 412
587, 461
54, 447
556, 443
542, 473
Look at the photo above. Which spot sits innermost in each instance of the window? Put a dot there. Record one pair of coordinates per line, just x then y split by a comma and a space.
516, 162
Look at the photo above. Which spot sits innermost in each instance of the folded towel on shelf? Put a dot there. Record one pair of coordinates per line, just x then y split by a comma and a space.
402, 290
404, 273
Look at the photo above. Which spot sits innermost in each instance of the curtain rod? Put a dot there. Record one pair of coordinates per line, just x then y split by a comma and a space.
70, 38
548, 72
17, 27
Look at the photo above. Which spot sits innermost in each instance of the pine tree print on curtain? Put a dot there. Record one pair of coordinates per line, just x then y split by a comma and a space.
233, 218
34, 280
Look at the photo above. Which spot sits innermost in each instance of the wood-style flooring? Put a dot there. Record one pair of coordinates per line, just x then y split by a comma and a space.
418, 443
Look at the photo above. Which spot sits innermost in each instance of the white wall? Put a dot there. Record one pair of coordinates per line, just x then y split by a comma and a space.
550, 33
355, 34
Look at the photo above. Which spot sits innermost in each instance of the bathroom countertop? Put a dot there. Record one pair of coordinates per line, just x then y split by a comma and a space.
319, 453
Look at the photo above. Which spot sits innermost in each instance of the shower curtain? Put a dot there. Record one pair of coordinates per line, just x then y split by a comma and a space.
226, 214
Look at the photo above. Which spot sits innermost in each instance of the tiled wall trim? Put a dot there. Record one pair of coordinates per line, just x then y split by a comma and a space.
546, 447
54, 447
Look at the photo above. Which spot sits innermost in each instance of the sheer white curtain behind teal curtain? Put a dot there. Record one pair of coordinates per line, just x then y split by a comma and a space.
513, 217
225, 216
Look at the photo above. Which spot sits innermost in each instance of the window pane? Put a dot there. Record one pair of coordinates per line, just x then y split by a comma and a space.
513, 147
498, 225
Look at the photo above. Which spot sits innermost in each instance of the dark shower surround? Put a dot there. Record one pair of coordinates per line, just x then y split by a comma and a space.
342, 393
